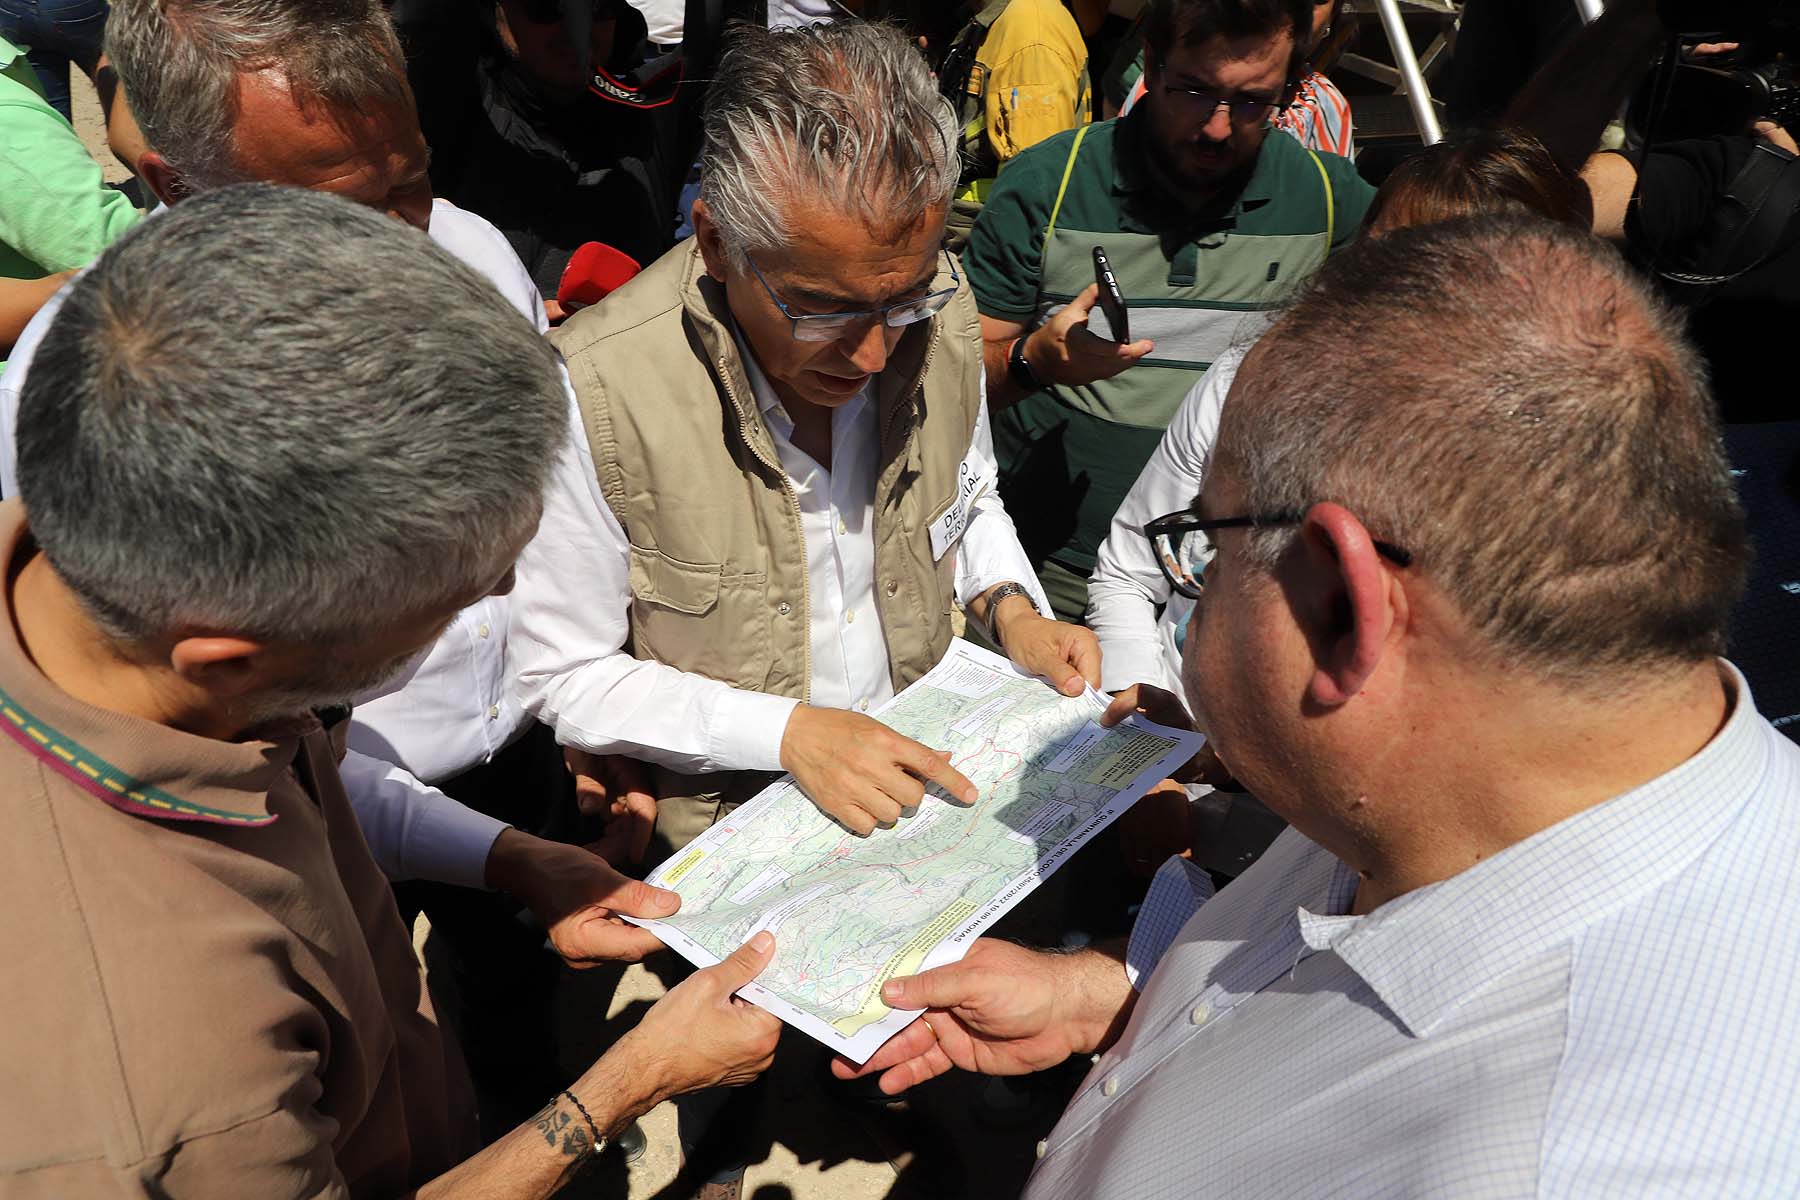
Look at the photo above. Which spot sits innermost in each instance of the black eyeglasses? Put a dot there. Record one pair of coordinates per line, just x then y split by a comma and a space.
1183, 548
1244, 110
829, 327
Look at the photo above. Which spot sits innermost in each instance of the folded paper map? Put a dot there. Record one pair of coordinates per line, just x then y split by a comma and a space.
849, 913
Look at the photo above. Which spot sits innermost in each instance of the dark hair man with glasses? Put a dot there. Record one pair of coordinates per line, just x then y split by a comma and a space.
1531, 932
1206, 220
786, 485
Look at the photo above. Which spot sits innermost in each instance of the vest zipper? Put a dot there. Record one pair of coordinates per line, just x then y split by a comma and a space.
799, 529
917, 384
918, 381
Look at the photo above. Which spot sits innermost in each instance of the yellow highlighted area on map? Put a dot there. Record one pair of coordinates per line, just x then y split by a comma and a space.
1119, 768
905, 961
673, 875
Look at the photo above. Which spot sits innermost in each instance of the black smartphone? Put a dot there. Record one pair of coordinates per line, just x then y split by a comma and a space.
1112, 302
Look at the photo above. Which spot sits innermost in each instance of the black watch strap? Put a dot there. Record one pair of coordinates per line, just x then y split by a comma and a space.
1019, 370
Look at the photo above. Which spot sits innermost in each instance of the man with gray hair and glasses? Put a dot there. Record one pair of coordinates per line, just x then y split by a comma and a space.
1460, 610
787, 482
209, 992
313, 94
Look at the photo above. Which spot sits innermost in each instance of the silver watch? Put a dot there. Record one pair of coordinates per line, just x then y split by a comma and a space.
996, 596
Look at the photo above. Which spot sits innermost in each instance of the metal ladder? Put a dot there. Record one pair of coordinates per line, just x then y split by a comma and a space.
1408, 76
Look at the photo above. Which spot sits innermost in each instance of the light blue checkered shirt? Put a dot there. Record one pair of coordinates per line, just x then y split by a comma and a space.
1610, 1008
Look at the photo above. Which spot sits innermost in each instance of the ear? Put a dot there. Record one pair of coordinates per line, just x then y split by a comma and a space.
225, 667
1348, 600
162, 179
712, 243
509, 41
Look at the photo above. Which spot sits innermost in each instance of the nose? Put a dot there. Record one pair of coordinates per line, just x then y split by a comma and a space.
1218, 125
867, 346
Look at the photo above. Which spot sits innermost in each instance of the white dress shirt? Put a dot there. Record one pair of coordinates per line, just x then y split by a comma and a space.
457, 707
787, 13
1127, 588
1606, 1009
662, 19
572, 600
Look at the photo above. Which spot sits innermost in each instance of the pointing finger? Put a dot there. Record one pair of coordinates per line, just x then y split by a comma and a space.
938, 770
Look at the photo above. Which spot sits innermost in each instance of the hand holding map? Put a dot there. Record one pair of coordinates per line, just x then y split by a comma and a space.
850, 913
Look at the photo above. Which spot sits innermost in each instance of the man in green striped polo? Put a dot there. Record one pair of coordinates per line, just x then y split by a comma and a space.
1207, 223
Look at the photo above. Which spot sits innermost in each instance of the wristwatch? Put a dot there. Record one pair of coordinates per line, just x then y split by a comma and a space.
1019, 370
1002, 592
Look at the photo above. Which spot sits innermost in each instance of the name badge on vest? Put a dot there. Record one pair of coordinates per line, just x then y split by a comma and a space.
947, 530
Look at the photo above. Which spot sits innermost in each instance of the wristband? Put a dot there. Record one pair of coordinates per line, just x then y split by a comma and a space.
1019, 370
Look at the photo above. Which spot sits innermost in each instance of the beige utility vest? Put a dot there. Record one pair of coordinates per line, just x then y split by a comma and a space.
718, 559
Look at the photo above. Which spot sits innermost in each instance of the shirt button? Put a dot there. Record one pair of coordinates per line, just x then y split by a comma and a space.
842, 527
483, 629
862, 706
892, 588
1199, 1015
784, 608
1042, 1147
1110, 1086
493, 712
850, 617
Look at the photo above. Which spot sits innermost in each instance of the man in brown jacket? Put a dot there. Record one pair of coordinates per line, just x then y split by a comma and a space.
247, 494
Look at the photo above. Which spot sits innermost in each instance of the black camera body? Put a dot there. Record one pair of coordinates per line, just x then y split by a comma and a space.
1774, 92
1703, 101
1701, 96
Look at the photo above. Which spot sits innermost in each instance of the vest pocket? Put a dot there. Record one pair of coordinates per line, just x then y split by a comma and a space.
670, 583
700, 617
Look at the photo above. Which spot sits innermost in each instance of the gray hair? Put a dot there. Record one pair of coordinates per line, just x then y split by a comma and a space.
278, 413
1506, 400
848, 112
179, 62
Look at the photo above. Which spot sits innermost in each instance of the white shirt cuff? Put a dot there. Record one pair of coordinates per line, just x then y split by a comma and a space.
449, 842
1124, 662
745, 730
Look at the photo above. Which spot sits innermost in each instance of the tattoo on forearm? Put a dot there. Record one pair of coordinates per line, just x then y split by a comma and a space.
560, 1127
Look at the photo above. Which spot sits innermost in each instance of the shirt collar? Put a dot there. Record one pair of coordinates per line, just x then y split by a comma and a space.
135, 765
773, 411
1425, 952
767, 401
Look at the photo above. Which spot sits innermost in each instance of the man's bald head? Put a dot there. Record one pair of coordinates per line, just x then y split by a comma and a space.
1504, 399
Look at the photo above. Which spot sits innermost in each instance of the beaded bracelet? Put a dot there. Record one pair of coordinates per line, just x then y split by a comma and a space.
599, 1143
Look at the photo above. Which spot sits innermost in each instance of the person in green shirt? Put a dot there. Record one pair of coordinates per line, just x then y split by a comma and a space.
56, 214
1208, 224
